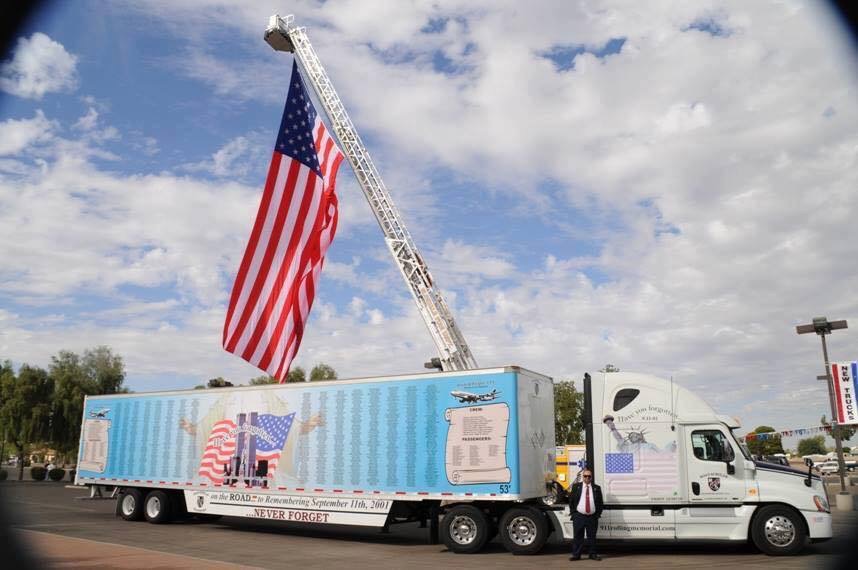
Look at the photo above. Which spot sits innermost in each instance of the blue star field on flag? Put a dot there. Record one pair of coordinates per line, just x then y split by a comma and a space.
619, 463
277, 428
295, 137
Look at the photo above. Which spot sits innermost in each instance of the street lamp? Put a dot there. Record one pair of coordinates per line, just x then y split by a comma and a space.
822, 326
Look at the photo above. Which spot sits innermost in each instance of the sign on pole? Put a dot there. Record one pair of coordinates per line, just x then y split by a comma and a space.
845, 379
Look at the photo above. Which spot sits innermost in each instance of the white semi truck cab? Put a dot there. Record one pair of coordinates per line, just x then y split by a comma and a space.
671, 468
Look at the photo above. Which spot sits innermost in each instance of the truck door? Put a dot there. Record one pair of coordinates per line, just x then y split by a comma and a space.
716, 488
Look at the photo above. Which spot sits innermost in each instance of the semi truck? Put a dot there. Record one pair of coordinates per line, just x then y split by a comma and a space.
471, 452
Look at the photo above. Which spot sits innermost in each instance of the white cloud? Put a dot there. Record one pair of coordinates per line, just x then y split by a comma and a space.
697, 182
18, 134
38, 66
466, 262
88, 121
237, 158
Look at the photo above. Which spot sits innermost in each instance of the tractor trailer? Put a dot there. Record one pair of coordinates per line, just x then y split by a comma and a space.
471, 452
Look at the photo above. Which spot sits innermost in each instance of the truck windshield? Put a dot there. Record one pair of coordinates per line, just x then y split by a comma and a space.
745, 451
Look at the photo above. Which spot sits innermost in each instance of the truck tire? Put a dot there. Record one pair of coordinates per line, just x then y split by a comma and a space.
131, 505
465, 529
778, 531
524, 530
157, 507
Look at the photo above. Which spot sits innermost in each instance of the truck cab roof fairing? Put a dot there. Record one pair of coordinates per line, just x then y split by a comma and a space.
687, 407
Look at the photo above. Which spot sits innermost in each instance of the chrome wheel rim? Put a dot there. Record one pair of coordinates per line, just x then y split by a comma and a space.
522, 531
128, 505
463, 530
153, 507
780, 531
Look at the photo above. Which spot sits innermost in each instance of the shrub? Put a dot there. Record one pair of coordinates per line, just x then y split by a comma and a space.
3, 474
38, 473
56, 474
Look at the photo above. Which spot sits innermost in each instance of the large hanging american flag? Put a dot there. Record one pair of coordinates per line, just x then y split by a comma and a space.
296, 222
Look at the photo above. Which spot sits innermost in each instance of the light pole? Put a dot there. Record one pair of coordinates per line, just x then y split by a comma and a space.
822, 326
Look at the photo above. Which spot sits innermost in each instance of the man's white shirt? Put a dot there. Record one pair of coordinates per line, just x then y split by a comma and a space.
582, 502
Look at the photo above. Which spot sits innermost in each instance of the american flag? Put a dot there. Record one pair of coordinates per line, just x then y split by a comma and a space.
277, 428
295, 224
219, 449
643, 472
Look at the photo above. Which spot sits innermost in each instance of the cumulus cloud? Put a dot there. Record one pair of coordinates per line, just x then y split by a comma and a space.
39, 65
88, 121
18, 134
237, 158
668, 208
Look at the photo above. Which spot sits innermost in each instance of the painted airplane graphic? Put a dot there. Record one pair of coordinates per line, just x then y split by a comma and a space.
99, 413
469, 398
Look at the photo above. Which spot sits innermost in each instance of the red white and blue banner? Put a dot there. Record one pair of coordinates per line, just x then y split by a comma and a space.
843, 375
794, 432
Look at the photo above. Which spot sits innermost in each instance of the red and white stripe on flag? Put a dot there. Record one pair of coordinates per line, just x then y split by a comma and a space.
295, 224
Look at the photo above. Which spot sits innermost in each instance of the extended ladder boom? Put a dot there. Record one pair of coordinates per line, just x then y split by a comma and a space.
283, 35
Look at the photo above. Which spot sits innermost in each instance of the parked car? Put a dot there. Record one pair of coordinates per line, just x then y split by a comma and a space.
828, 467
776, 459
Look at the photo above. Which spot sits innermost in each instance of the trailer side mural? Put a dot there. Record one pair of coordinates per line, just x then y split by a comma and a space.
338, 452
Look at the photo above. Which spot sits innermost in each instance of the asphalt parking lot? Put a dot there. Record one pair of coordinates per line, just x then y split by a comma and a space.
61, 530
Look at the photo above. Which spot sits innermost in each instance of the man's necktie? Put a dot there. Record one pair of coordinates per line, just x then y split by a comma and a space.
587, 499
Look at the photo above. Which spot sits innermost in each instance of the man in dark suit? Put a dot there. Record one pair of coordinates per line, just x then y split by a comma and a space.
585, 504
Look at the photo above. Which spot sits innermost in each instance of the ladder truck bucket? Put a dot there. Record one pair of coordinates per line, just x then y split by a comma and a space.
277, 33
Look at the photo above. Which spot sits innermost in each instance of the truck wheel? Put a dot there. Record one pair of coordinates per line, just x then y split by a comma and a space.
156, 507
778, 531
131, 505
524, 530
465, 529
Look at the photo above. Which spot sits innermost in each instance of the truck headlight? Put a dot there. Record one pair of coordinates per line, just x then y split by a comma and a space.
821, 504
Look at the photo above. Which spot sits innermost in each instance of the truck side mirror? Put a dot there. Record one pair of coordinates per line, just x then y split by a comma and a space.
731, 469
808, 461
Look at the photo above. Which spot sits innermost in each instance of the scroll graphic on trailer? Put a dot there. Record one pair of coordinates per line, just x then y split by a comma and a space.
96, 442
476, 444
245, 452
845, 379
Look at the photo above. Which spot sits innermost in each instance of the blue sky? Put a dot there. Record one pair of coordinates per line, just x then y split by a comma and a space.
645, 186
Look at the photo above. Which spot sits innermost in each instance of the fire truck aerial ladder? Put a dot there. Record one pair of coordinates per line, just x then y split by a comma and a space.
283, 35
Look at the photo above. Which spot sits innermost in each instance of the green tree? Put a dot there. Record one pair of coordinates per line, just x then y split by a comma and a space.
768, 446
264, 379
812, 446
568, 412
219, 382
97, 371
846, 432
609, 368
25, 407
322, 371
296, 374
